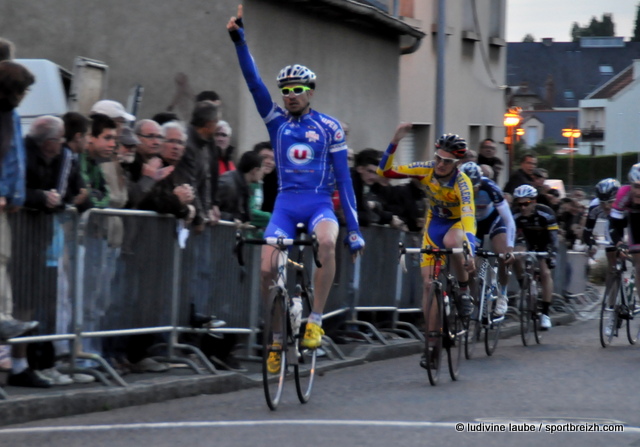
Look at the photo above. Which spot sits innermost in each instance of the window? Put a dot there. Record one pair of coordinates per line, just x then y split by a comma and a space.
568, 94
606, 70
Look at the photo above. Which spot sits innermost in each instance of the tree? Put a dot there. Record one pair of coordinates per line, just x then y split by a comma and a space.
529, 38
636, 30
599, 28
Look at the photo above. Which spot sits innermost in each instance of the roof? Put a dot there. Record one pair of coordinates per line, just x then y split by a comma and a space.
624, 78
554, 121
572, 67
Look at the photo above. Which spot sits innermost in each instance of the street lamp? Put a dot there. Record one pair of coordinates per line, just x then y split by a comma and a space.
519, 133
511, 121
571, 134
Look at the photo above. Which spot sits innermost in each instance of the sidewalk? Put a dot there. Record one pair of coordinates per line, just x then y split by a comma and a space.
29, 404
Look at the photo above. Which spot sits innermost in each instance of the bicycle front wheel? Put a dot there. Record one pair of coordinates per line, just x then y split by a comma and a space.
305, 368
524, 308
274, 348
633, 323
454, 339
608, 314
536, 313
433, 335
492, 329
474, 324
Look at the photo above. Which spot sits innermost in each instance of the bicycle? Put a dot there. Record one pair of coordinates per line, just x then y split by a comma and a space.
283, 316
450, 330
624, 306
530, 296
483, 316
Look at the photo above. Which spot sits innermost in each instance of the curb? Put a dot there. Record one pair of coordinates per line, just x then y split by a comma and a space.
26, 408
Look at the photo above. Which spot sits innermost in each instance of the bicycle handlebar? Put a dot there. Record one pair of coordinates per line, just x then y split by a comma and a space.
280, 242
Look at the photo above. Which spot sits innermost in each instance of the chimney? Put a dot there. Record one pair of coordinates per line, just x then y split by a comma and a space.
547, 41
550, 91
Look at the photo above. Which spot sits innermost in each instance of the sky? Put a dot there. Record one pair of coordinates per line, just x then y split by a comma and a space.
554, 18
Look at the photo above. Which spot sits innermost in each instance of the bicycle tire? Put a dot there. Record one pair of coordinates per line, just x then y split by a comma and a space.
536, 312
305, 378
433, 336
633, 323
454, 339
525, 310
276, 320
474, 325
492, 329
606, 315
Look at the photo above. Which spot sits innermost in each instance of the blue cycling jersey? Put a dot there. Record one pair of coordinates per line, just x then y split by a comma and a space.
310, 150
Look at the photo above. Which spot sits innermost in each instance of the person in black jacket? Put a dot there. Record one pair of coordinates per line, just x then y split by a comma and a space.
234, 191
524, 175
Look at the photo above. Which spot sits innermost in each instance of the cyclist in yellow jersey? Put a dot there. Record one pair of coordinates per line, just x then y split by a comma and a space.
450, 219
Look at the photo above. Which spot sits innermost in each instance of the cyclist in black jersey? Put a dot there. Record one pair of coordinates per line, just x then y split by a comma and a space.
537, 231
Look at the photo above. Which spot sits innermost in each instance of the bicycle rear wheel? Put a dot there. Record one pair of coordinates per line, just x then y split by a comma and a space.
433, 335
524, 307
474, 325
492, 328
453, 340
305, 368
608, 315
274, 344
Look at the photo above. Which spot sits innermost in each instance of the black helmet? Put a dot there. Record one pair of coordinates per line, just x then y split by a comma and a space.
607, 189
452, 143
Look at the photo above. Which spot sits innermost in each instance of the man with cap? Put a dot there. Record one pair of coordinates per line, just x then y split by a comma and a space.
114, 110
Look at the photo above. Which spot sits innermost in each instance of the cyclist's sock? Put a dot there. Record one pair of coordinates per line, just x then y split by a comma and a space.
503, 290
277, 338
315, 318
545, 307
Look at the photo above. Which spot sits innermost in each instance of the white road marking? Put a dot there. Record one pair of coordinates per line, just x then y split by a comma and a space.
212, 424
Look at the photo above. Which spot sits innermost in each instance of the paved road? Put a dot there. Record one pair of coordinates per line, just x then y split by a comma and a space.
568, 379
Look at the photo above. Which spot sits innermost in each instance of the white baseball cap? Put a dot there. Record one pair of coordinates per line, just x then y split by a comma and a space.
112, 109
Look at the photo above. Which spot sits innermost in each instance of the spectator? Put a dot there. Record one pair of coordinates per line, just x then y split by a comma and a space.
113, 110
7, 50
126, 154
165, 117
53, 180
270, 179
14, 82
470, 155
498, 165
364, 177
553, 195
173, 194
539, 177
234, 192
570, 221
487, 156
225, 150
414, 204
198, 161
524, 175
76, 128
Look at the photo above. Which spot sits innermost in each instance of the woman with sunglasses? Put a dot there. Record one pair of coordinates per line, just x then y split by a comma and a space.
310, 153
537, 230
450, 219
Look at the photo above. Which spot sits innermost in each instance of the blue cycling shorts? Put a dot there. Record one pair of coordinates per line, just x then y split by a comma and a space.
291, 209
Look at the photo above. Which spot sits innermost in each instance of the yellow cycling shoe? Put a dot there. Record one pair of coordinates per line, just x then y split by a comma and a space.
312, 336
274, 360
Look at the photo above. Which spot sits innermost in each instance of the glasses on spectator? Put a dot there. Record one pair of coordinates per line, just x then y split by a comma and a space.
297, 90
487, 147
527, 203
175, 141
59, 140
221, 134
151, 136
446, 161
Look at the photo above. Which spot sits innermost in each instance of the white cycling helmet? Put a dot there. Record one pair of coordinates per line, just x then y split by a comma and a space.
634, 173
525, 191
296, 74
607, 189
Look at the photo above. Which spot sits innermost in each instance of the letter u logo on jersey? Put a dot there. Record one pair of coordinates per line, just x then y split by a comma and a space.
300, 154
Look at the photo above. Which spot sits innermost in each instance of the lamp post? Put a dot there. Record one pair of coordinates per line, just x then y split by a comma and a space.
511, 121
519, 134
571, 134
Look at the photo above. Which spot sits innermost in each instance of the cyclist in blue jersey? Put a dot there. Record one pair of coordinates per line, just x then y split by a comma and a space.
494, 218
311, 159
